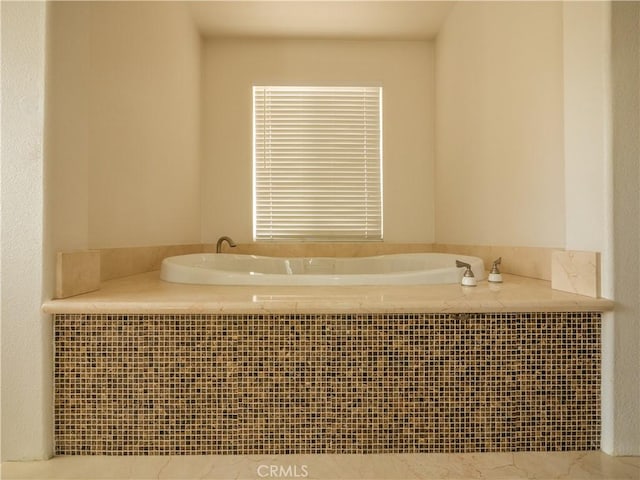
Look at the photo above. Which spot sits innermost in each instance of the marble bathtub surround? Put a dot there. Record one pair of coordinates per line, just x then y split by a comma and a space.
533, 262
121, 262
77, 272
154, 344
529, 262
327, 383
146, 293
576, 272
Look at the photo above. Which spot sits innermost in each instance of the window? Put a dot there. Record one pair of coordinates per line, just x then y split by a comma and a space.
317, 163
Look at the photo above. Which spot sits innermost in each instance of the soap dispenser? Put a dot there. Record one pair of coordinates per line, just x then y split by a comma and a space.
494, 275
468, 279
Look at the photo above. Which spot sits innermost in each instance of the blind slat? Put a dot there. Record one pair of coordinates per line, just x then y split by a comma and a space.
317, 163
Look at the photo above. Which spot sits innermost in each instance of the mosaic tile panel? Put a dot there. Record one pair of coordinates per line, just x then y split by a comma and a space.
283, 364
277, 384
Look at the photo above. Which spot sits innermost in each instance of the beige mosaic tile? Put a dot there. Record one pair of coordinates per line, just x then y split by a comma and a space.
358, 383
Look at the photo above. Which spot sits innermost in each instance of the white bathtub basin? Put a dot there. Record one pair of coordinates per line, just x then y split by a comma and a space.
398, 269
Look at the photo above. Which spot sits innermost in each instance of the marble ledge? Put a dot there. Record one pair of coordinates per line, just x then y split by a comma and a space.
409, 466
147, 294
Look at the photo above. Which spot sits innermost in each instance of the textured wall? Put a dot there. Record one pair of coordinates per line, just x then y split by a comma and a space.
623, 340
26, 333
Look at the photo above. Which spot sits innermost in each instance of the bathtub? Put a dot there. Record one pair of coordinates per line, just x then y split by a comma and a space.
396, 269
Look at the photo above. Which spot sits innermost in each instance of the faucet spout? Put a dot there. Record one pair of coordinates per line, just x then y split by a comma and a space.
221, 240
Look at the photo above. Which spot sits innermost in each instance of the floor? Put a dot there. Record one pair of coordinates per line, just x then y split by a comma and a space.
530, 465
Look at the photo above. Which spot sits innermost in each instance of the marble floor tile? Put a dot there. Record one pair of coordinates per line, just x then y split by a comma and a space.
486, 466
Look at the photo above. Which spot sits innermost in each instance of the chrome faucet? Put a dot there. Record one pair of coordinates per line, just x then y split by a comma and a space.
468, 279
221, 240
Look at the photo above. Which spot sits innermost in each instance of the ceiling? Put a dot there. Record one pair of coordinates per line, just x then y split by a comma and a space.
385, 20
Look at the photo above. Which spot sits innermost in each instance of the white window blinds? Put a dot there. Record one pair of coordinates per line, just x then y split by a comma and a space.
317, 163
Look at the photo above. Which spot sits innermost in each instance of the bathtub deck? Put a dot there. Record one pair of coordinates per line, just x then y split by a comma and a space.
146, 293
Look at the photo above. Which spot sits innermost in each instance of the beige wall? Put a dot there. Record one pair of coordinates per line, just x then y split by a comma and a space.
404, 69
26, 352
67, 132
499, 130
586, 35
124, 106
